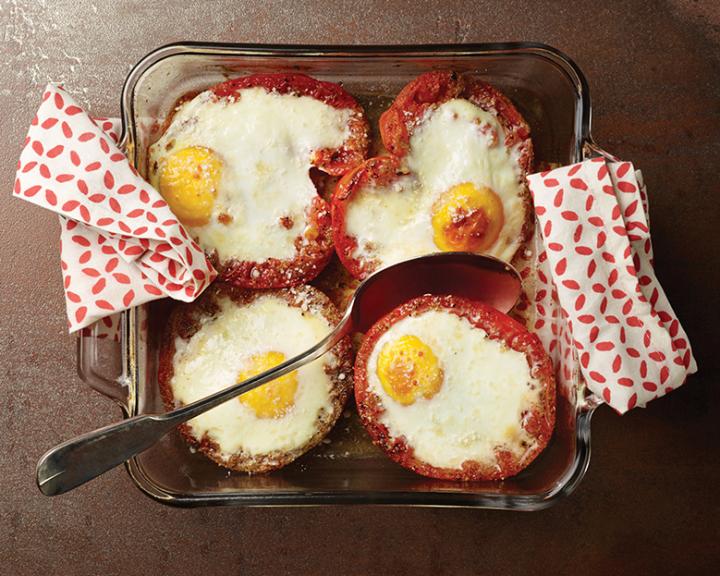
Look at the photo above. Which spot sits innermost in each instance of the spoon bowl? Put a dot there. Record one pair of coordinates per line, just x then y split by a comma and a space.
464, 274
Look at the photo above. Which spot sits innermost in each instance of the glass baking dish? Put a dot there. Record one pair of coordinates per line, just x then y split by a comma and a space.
552, 94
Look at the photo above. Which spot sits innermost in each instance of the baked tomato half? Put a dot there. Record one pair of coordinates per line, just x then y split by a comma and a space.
455, 179
229, 335
453, 389
235, 165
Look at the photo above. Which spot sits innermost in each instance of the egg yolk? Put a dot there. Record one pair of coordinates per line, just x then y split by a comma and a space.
407, 369
274, 399
467, 218
188, 183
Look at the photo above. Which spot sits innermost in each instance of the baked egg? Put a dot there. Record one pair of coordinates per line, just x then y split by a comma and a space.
456, 184
234, 166
230, 335
454, 389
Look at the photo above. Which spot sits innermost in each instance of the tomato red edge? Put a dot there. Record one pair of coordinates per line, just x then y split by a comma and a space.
432, 89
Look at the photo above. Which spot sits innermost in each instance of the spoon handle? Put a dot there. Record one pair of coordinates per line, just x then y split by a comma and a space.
81, 459
76, 461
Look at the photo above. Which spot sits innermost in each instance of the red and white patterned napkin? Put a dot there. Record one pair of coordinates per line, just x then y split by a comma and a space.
121, 244
596, 245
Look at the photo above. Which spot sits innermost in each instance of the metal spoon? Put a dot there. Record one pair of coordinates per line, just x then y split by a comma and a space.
463, 274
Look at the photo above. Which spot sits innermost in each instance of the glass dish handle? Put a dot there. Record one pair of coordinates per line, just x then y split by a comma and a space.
592, 150
92, 370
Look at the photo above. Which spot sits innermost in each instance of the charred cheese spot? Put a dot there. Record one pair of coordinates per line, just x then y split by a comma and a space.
467, 218
188, 183
274, 399
408, 369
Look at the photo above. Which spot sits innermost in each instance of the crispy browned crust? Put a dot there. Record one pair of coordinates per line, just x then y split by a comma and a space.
538, 422
337, 283
184, 321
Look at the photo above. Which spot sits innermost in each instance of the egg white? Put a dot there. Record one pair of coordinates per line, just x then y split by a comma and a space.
265, 142
393, 223
486, 386
214, 356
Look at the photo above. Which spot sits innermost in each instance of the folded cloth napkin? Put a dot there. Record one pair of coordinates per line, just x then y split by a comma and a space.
121, 244
593, 221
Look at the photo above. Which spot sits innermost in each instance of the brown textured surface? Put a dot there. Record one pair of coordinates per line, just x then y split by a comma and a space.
648, 503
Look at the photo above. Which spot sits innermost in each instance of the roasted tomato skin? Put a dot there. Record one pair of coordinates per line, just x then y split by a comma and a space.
300, 84
410, 105
539, 422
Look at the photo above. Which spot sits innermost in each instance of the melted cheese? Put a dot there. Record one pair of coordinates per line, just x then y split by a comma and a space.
479, 406
220, 350
447, 148
265, 142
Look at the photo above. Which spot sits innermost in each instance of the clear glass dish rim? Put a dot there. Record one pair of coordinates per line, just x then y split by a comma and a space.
584, 147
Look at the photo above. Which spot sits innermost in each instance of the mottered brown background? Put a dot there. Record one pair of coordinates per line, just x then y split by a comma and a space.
648, 504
